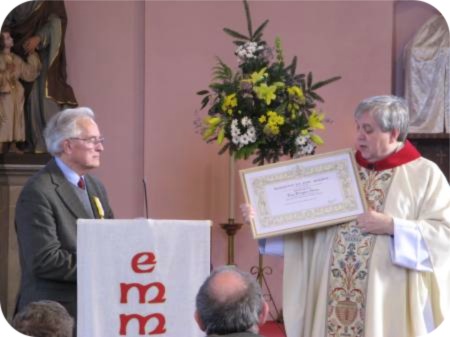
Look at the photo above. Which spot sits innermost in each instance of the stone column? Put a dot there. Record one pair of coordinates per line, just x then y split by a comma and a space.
12, 179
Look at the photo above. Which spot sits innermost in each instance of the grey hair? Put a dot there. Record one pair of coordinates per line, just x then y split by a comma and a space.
44, 319
238, 313
64, 125
390, 112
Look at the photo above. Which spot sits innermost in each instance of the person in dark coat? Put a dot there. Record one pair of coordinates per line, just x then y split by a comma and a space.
50, 204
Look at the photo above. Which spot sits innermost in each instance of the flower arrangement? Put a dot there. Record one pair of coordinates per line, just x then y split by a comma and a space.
264, 107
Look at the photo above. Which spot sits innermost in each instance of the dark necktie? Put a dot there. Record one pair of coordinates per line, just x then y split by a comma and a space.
81, 183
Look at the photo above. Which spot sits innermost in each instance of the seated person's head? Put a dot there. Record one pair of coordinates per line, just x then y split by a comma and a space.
44, 319
230, 301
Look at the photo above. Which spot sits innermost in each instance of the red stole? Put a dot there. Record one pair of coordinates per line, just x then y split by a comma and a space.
405, 155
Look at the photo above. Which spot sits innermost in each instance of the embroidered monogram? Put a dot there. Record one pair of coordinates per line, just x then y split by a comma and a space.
349, 263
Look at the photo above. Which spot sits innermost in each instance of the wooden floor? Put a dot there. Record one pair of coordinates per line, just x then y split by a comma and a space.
272, 329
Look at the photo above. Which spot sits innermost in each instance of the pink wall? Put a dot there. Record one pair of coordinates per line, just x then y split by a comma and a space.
138, 65
104, 47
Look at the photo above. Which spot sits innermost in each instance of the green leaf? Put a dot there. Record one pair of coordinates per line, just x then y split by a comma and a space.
258, 31
259, 160
202, 92
316, 97
309, 80
235, 34
216, 86
299, 78
238, 42
205, 101
211, 140
281, 108
224, 148
257, 38
292, 67
302, 82
325, 82
222, 72
249, 18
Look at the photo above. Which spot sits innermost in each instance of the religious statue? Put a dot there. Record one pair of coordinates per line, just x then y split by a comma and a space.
13, 68
40, 26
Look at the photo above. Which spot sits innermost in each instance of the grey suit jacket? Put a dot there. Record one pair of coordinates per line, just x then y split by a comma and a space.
46, 215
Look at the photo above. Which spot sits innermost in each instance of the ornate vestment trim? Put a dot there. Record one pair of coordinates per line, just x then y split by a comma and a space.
349, 263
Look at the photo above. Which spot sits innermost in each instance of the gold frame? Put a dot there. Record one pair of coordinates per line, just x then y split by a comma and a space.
340, 163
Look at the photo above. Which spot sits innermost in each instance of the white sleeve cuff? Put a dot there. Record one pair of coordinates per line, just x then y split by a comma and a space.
271, 246
408, 248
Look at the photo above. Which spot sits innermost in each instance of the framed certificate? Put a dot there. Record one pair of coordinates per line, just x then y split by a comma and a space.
301, 194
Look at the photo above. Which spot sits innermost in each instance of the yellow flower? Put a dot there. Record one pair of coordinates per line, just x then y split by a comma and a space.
208, 133
211, 125
273, 123
275, 118
297, 93
317, 139
229, 102
99, 207
296, 98
266, 93
271, 129
315, 121
262, 119
212, 121
220, 136
258, 76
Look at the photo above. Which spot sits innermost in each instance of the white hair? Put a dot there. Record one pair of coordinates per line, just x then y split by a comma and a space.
64, 125
390, 112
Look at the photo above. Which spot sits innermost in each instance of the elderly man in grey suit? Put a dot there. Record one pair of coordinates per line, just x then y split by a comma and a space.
230, 303
50, 204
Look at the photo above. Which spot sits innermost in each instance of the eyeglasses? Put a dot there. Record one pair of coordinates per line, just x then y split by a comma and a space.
91, 140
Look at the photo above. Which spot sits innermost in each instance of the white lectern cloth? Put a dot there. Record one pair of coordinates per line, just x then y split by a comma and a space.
105, 252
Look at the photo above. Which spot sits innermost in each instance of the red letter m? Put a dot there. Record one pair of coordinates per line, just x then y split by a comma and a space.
142, 320
143, 290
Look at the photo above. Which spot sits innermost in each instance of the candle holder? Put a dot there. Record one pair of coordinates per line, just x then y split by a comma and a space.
231, 229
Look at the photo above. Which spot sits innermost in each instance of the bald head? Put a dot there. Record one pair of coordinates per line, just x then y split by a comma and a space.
230, 301
227, 286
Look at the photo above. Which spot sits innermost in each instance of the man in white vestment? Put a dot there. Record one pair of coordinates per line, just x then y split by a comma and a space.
387, 274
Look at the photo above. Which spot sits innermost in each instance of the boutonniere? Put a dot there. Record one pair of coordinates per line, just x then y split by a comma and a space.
99, 206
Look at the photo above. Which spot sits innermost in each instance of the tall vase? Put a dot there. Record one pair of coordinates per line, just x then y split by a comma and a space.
231, 227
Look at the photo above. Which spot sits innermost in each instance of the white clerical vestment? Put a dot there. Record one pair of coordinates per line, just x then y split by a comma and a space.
378, 298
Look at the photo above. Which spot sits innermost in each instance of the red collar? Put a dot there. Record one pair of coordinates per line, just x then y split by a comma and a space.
406, 154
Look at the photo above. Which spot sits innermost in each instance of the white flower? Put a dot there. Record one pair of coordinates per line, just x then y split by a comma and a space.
251, 132
301, 140
248, 50
309, 148
305, 146
240, 138
244, 139
245, 121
